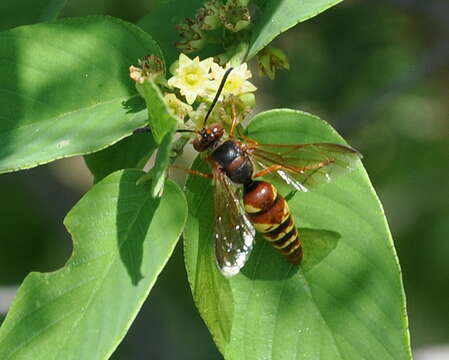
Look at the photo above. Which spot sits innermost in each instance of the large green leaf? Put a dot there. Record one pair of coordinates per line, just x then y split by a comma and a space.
66, 89
23, 12
345, 301
279, 16
122, 240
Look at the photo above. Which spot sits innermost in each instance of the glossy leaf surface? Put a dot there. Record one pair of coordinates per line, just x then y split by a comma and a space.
66, 89
279, 16
345, 301
122, 240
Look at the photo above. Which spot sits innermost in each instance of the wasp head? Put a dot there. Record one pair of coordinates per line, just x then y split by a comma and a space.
208, 137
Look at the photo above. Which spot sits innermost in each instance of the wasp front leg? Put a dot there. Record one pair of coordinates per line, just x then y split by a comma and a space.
193, 172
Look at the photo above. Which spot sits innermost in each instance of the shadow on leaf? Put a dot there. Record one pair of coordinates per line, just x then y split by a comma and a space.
317, 243
135, 212
134, 105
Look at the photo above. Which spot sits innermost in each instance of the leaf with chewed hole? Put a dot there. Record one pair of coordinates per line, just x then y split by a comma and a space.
122, 240
344, 302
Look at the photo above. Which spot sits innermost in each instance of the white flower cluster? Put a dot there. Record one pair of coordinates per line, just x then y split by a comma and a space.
195, 78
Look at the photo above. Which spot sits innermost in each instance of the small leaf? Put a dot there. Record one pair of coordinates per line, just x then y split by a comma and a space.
24, 12
345, 301
158, 173
131, 152
279, 16
122, 240
161, 119
66, 89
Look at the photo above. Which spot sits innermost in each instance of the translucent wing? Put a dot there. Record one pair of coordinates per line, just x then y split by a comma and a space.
306, 164
233, 232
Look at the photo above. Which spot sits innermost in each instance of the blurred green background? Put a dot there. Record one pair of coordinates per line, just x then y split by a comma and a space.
376, 70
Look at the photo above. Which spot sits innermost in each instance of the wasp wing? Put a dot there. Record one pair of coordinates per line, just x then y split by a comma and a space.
233, 232
306, 164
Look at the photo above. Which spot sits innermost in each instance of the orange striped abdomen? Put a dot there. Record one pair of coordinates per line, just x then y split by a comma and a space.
271, 216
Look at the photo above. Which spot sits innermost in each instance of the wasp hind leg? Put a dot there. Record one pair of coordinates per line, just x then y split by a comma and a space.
269, 170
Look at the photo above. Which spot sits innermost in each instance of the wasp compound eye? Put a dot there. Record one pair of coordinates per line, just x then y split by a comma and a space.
208, 138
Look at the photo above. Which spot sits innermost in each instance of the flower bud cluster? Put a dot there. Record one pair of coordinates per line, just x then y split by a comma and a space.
192, 36
234, 106
151, 67
234, 15
208, 15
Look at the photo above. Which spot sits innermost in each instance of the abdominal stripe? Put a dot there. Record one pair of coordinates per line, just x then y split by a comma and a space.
270, 215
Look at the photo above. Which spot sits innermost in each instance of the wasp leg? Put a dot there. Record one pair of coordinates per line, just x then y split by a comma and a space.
234, 120
251, 143
193, 172
269, 170
290, 169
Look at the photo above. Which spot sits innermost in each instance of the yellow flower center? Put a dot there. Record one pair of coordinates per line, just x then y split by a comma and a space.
191, 78
233, 85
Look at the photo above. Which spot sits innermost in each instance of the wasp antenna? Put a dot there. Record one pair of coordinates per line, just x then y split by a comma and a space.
217, 95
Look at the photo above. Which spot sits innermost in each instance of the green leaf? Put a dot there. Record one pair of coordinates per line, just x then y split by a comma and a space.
131, 152
345, 301
162, 123
161, 119
66, 89
160, 167
122, 240
279, 16
23, 12
156, 176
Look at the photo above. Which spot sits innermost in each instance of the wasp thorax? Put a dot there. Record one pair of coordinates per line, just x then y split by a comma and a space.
207, 137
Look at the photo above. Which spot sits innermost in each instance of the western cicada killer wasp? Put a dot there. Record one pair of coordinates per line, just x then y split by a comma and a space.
240, 162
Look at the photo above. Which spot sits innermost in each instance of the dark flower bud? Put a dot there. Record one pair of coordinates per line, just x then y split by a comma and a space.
269, 59
208, 15
151, 67
235, 16
192, 37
